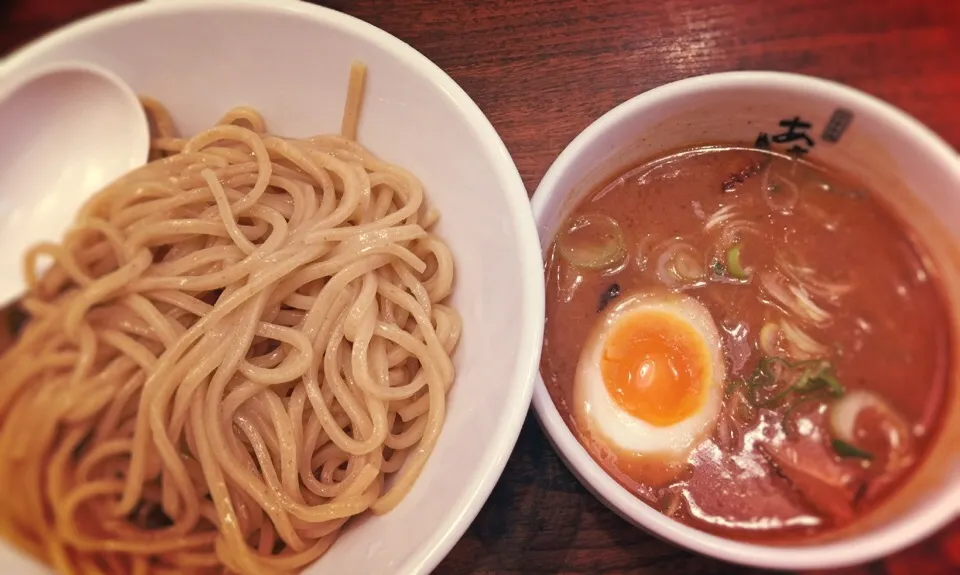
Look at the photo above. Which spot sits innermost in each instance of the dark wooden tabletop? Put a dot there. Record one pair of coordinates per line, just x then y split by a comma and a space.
542, 70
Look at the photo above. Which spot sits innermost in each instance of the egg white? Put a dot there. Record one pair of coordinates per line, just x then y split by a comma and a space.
608, 423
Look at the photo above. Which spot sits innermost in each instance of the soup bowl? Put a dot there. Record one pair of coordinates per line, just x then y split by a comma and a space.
895, 156
414, 116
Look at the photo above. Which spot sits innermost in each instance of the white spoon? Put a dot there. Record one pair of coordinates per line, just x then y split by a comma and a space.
65, 132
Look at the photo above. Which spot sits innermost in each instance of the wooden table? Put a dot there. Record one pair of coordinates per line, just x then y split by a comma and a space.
542, 70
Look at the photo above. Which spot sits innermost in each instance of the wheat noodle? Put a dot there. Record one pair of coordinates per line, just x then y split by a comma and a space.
237, 348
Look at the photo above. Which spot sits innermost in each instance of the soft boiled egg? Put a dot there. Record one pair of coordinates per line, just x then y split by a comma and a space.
649, 383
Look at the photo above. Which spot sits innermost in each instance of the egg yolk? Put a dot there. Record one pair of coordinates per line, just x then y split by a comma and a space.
653, 367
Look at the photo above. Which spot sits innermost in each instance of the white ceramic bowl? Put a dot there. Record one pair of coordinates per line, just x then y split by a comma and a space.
889, 151
291, 61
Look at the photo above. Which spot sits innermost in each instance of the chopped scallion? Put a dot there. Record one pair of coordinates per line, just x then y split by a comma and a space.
763, 388
733, 263
592, 241
844, 449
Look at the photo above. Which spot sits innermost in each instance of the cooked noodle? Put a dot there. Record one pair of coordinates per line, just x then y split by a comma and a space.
237, 348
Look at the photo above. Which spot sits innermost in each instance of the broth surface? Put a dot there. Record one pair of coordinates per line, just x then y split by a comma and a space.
860, 301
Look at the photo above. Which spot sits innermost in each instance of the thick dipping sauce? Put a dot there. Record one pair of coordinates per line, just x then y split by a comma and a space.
749, 343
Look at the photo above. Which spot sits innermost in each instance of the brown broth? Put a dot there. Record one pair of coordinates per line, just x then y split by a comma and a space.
888, 334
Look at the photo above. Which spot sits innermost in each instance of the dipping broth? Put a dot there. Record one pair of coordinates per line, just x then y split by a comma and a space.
751, 344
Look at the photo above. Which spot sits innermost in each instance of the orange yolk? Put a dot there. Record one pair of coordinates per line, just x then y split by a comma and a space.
653, 367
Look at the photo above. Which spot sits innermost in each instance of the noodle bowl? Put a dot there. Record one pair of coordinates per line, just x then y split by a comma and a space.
234, 349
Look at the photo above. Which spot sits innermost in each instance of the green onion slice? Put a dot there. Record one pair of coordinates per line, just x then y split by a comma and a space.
847, 450
593, 242
734, 267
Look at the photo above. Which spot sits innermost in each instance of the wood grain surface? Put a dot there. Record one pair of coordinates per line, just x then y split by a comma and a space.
542, 70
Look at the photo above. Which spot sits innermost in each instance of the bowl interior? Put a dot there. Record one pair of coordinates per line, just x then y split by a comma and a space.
892, 154
291, 62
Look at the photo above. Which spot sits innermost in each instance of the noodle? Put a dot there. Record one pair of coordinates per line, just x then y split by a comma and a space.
238, 347
351, 111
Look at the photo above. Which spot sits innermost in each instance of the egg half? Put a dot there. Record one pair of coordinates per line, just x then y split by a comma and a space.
649, 382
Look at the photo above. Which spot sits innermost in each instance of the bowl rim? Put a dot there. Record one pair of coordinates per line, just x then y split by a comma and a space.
920, 523
494, 456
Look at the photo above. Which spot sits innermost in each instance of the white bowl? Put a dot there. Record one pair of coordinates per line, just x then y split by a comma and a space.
889, 151
291, 61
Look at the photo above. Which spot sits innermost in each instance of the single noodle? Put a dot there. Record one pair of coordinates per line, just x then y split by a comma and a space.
237, 348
